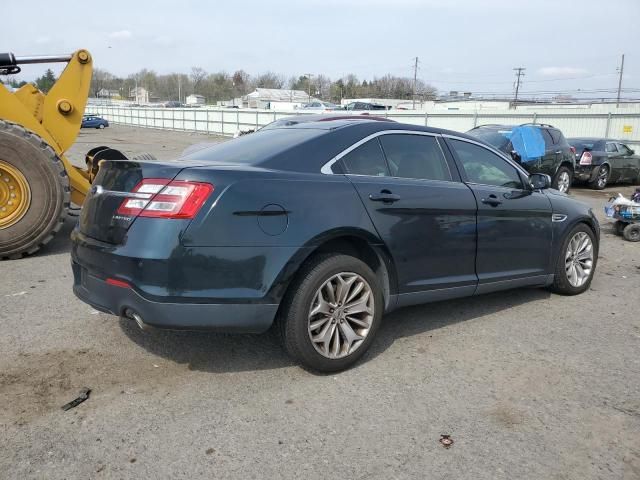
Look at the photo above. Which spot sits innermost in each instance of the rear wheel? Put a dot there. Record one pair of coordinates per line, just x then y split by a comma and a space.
34, 191
331, 313
562, 180
576, 262
619, 226
632, 232
101, 126
601, 178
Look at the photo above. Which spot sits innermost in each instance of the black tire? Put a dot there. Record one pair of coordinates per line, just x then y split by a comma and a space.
49, 185
632, 232
618, 227
602, 178
561, 282
144, 156
556, 178
293, 314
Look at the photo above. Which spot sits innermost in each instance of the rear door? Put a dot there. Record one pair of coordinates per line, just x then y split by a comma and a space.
422, 211
514, 222
616, 162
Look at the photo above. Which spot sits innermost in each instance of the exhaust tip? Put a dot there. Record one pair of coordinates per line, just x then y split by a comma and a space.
132, 315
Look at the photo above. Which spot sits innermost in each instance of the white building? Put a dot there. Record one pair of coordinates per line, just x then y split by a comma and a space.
195, 99
274, 98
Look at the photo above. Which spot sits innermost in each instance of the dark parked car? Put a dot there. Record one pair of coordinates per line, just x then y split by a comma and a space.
364, 106
557, 161
600, 162
91, 121
322, 224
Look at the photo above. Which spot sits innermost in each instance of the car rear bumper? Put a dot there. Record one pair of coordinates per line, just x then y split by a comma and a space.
122, 301
586, 173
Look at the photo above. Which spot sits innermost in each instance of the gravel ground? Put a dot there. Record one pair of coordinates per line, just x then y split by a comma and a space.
529, 385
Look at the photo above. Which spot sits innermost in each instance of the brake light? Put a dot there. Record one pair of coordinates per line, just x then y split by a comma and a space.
586, 158
573, 149
162, 198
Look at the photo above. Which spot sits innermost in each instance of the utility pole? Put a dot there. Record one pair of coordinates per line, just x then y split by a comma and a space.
519, 73
620, 81
415, 79
309, 75
180, 88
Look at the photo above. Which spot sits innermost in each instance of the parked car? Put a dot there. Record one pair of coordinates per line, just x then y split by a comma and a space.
91, 121
319, 106
364, 106
600, 162
322, 224
558, 159
173, 104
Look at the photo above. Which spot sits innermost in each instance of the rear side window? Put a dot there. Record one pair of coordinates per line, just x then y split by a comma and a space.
484, 167
611, 148
367, 159
415, 156
548, 139
555, 135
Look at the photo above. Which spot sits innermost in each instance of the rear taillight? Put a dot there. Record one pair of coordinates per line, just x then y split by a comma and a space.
586, 158
162, 198
573, 149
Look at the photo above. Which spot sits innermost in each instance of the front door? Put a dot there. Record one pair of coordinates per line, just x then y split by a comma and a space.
514, 222
422, 211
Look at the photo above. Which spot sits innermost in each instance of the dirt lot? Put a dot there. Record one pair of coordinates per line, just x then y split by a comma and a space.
528, 384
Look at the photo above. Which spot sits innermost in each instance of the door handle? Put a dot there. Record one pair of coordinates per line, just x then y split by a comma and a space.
558, 152
492, 200
384, 196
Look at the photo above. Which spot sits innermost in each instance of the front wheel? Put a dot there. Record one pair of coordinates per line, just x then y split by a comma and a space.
576, 262
632, 232
101, 126
562, 180
331, 313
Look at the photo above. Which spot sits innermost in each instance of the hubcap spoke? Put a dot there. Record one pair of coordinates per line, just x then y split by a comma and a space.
341, 315
579, 259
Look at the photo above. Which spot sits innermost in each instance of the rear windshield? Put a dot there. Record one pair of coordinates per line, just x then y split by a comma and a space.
498, 138
581, 145
256, 148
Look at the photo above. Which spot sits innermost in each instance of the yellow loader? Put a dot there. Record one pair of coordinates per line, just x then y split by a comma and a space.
37, 181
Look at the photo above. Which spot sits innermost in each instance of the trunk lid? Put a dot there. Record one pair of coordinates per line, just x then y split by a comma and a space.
115, 184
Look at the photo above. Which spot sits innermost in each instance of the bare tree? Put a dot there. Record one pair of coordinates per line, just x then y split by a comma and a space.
197, 76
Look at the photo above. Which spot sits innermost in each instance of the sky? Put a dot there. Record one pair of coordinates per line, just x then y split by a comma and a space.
465, 45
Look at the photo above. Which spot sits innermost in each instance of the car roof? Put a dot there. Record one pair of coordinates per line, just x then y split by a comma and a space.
373, 123
596, 139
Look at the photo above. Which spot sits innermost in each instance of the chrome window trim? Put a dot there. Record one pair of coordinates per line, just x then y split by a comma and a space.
326, 168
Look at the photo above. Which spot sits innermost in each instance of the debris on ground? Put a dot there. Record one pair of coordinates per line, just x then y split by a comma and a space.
446, 441
84, 395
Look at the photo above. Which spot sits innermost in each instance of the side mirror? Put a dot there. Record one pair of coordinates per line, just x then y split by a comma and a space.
540, 181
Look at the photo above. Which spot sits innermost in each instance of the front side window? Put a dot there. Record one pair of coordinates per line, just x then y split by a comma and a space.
367, 159
415, 156
555, 135
623, 149
485, 167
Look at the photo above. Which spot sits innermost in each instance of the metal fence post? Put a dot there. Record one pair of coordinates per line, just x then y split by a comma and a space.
275, 115
208, 129
238, 120
426, 119
222, 121
606, 130
535, 117
475, 119
256, 119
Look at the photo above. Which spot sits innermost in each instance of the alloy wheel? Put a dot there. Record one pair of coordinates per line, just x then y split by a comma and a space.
603, 176
341, 315
579, 259
564, 182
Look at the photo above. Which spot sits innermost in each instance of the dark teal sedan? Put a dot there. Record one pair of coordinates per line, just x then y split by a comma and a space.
91, 121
